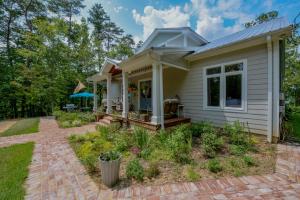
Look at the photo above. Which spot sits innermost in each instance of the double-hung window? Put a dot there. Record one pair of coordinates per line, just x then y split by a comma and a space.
225, 86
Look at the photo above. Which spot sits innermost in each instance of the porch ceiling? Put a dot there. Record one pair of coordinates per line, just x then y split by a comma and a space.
171, 58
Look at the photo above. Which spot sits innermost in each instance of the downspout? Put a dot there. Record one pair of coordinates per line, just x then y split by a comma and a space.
270, 89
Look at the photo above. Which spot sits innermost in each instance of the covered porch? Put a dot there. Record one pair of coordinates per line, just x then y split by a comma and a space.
144, 90
151, 88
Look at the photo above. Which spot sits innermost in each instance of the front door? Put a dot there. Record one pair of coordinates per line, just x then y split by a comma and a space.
145, 95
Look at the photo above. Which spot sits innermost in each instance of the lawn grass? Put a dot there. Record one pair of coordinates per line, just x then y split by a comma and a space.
14, 164
23, 126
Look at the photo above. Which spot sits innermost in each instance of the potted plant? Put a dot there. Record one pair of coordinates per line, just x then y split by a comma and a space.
110, 167
132, 87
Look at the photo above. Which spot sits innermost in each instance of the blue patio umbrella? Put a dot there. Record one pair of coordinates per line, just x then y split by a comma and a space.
85, 95
82, 94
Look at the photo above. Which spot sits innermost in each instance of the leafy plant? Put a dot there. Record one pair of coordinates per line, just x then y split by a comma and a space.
180, 144
237, 150
110, 156
249, 160
135, 170
152, 171
191, 175
214, 166
211, 142
199, 128
141, 138
237, 133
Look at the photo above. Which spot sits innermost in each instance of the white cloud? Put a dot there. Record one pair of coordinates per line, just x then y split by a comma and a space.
153, 18
211, 16
117, 9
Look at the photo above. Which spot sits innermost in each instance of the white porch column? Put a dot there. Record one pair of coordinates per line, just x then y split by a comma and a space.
270, 88
95, 96
161, 80
156, 112
276, 90
109, 100
125, 94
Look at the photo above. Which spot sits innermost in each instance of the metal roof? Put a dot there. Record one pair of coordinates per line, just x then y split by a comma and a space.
260, 29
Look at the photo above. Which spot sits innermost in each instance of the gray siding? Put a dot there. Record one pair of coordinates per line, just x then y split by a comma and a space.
191, 90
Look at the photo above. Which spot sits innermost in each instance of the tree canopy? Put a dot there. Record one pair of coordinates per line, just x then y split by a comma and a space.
45, 50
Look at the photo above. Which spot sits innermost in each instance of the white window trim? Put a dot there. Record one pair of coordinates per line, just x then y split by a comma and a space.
222, 76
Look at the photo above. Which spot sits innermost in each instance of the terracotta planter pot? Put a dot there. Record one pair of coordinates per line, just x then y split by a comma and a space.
110, 171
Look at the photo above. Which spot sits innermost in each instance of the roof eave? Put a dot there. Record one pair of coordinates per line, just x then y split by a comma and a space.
192, 57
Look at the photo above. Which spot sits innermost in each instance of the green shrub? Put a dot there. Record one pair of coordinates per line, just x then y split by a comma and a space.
249, 160
236, 133
76, 123
135, 170
91, 161
237, 150
123, 141
72, 119
66, 124
211, 142
152, 171
214, 166
199, 128
191, 175
141, 138
180, 144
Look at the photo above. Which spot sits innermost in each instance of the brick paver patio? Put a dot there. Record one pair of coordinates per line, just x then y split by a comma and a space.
56, 173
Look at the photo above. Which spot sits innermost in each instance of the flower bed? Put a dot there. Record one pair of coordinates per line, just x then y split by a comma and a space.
73, 119
185, 153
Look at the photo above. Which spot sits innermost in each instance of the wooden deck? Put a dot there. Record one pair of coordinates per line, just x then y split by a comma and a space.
148, 125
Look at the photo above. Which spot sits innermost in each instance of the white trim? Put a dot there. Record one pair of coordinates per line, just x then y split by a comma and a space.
270, 88
161, 89
276, 88
139, 95
169, 40
222, 94
173, 65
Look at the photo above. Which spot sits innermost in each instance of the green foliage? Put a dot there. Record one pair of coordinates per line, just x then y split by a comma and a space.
180, 144
153, 170
237, 150
191, 174
23, 126
141, 138
123, 141
110, 155
211, 142
14, 162
214, 166
88, 148
249, 160
237, 133
199, 128
73, 119
135, 170
262, 18
42, 57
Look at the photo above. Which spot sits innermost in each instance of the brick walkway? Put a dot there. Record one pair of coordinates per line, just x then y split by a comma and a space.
56, 173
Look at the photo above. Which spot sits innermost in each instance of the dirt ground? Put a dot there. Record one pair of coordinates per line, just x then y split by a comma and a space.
4, 125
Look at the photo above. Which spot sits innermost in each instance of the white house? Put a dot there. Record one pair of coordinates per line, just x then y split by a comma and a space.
236, 77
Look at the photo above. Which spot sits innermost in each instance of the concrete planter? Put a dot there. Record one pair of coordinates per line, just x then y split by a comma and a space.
110, 171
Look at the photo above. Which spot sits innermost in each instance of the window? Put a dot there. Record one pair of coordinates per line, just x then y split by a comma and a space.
224, 86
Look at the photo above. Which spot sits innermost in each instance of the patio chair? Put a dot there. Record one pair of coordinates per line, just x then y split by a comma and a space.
170, 108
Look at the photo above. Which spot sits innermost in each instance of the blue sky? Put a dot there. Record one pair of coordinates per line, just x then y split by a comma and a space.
210, 18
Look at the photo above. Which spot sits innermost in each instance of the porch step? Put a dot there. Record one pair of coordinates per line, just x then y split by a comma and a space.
108, 117
101, 123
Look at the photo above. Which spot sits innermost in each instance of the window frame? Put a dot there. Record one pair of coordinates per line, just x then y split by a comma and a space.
222, 94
